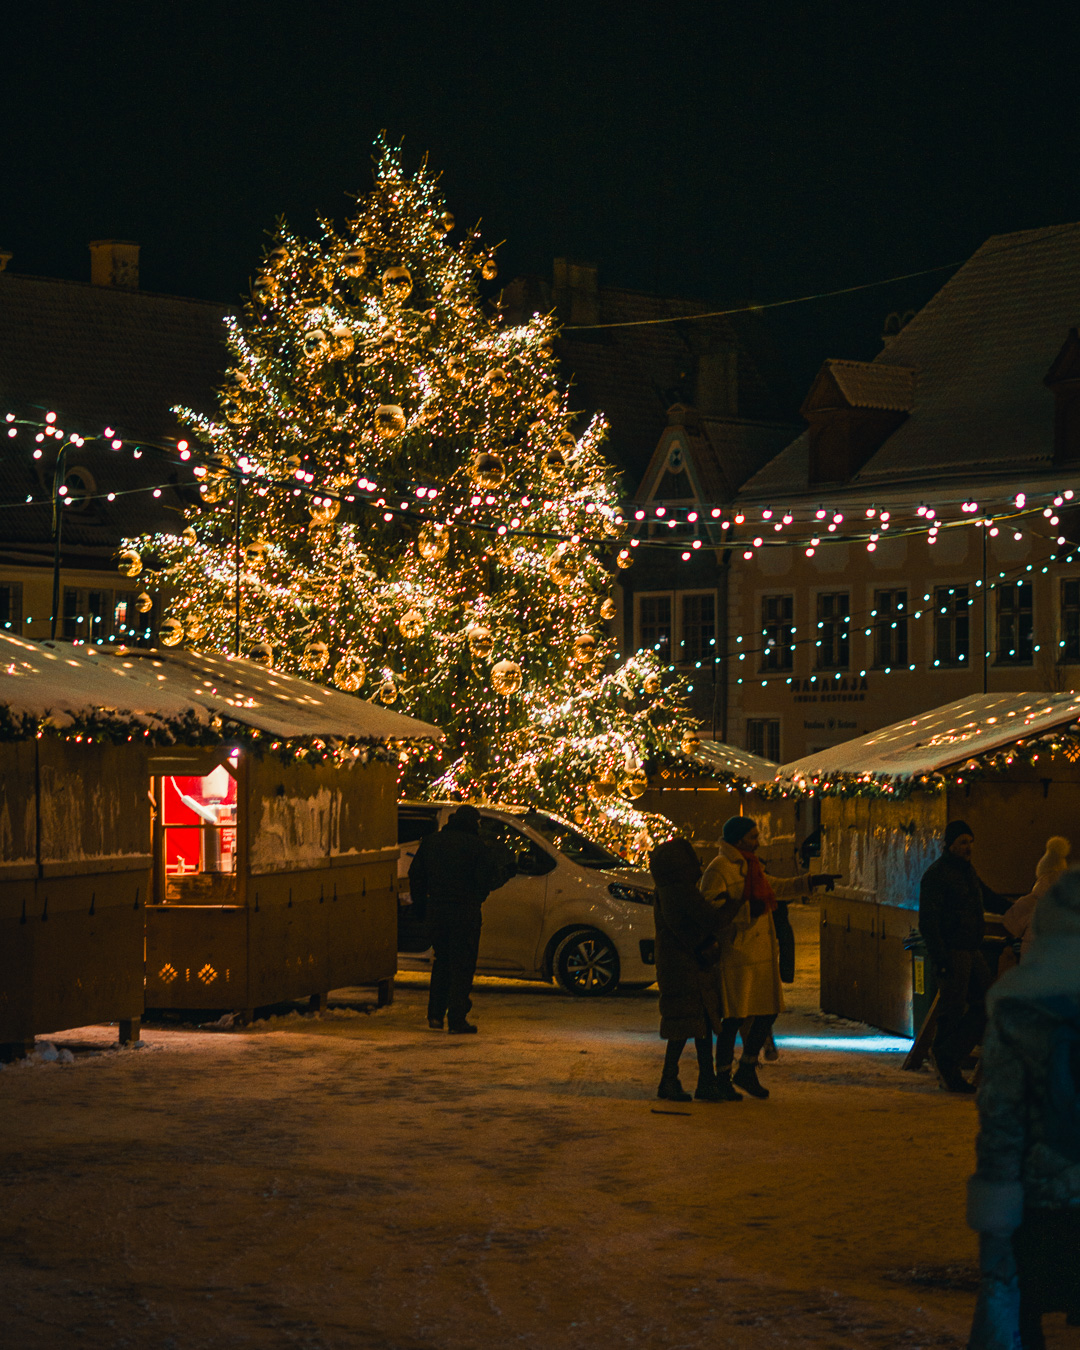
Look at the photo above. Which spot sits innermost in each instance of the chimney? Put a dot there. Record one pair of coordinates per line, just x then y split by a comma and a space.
114, 262
576, 291
5, 258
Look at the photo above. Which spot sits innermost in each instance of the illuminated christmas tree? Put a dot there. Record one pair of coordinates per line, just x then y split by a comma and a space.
394, 500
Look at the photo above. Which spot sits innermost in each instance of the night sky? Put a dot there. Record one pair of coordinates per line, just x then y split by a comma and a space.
727, 152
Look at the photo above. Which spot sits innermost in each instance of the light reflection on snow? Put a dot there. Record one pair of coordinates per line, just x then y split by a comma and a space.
896, 1045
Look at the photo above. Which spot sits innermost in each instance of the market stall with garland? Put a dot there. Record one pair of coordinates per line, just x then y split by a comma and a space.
278, 879
1007, 763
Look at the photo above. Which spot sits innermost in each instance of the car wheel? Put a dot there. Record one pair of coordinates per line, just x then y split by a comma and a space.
586, 963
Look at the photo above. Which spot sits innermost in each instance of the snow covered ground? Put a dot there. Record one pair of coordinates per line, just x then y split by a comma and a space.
356, 1180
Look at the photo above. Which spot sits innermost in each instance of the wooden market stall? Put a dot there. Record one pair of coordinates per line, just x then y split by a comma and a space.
275, 853
1008, 764
75, 857
701, 788
235, 824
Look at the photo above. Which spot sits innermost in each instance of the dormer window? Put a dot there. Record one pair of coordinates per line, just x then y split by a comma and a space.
853, 408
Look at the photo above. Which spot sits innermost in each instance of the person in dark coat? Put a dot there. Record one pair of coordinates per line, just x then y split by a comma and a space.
687, 927
450, 878
952, 903
1024, 1199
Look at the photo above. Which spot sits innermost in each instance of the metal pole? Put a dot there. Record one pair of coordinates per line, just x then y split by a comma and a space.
237, 552
58, 529
985, 616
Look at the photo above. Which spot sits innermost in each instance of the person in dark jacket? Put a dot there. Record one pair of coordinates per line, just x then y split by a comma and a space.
687, 927
1024, 1199
450, 877
952, 902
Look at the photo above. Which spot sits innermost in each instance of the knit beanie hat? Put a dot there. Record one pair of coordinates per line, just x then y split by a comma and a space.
955, 829
1052, 964
1055, 860
736, 827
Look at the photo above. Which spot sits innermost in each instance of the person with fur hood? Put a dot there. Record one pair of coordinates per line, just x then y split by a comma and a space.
1024, 1198
747, 976
687, 928
1048, 869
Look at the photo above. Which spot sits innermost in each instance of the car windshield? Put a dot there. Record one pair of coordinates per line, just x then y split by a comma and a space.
571, 843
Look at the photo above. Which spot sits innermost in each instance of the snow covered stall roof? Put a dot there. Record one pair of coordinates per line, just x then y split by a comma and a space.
956, 731
40, 679
728, 761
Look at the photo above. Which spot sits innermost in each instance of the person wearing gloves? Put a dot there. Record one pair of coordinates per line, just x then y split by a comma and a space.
747, 976
1017, 920
952, 904
1024, 1198
687, 927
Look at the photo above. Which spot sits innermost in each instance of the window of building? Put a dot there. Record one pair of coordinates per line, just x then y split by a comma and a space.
1015, 630
1069, 640
777, 632
698, 628
952, 626
833, 630
88, 615
890, 629
11, 605
763, 737
654, 624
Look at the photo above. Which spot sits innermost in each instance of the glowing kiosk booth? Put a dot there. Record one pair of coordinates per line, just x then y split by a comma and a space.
1007, 763
237, 821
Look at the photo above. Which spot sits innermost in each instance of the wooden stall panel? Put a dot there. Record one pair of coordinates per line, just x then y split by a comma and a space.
890, 1008
88, 949
291, 809
18, 823
1013, 819
288, 923
17, 932
366, 815
94, 803
905, 838
363, 924
196, 956
848, 955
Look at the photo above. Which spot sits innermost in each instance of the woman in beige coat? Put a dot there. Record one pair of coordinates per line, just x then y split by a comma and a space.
748, 973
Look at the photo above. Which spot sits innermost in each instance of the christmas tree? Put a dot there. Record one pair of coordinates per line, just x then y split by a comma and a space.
394, 500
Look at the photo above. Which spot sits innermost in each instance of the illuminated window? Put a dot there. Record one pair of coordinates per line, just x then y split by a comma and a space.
833, 643
11, 605
952, 626
890, 629
1015, 629
87, 615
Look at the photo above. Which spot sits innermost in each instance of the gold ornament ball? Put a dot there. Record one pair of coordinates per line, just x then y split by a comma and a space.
498, 382
277, 257
353, 262
633, 783
197, 629
389, 420
342, 341
387, 692
171, 632
130, 564
480, 639
255, 552
448, 221
456, 368
397, 284
315, 657
605, 783
489, 270
584, 650
624, 558
487, 470
552, 463
189, 537
608, 609
433, 541
652, 685
265, 290
691, 743
325, 511
411, 624
262, 651
567, 442
144, 603
506, 678
214, 488
315, 343
349, 674
563, 567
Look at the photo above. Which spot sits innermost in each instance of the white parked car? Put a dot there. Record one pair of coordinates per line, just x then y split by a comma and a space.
574, 912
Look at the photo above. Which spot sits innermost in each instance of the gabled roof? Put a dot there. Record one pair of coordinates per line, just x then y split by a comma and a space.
721, 453
943, 736
159, 689
862, 384
980, 349
727, 761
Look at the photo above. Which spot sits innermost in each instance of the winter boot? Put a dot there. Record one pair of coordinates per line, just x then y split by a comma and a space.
745, 1076
461, 1029
771, 1052
708, 1089
671, 1090
435, 1023
951, 1079
724, 1086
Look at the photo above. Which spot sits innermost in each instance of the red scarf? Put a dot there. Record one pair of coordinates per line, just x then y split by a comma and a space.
757, 883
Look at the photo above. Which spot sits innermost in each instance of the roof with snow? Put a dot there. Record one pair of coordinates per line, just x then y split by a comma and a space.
159, 689
728, 761
946, 735
869, 384
980, 350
